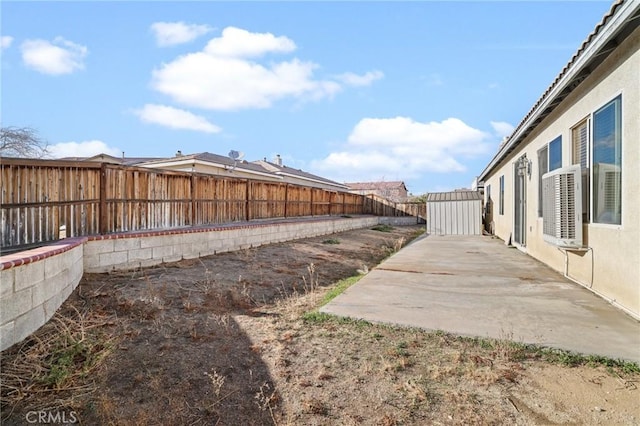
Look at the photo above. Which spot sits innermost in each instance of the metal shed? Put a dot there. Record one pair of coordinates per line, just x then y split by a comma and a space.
454, 213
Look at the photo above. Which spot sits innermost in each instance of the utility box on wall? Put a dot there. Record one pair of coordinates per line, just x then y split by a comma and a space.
454, 213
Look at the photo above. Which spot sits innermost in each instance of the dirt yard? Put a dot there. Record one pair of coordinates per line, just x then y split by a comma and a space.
236, 339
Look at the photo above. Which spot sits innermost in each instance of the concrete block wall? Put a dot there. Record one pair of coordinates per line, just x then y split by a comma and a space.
398, 221
139, 250
33, 285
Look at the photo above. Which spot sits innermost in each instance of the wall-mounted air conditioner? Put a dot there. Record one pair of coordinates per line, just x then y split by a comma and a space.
562, 207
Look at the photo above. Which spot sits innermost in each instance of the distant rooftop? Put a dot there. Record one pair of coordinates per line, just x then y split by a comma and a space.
285, 170
262, 167
106, 158
374, 185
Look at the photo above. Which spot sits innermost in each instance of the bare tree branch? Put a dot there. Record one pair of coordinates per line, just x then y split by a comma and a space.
22, 142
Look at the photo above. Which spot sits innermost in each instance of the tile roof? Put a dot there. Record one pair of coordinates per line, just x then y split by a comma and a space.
221, 159
285, 170
127, 161
263, 167
374, 185
607, 35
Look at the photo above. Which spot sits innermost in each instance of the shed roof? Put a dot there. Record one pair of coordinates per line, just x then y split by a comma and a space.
453, 196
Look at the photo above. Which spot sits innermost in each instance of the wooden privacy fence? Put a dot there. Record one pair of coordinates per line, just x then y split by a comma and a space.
380, 206
40, 196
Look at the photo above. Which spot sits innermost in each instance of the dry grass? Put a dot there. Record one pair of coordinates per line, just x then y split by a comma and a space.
417, 376
52, 369
198, 343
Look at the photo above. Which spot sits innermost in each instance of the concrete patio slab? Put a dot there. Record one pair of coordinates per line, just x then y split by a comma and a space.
477, 286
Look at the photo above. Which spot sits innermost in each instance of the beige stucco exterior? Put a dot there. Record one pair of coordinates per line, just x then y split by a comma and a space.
610, 263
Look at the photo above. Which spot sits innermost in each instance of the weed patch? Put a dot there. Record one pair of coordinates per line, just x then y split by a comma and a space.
317, 317
571, 359
382, 228
339, 288
331, 241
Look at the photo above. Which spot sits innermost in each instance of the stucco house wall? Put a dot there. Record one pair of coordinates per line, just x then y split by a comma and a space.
610, 262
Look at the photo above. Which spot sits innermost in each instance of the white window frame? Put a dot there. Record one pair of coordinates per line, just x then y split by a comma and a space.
586, 168
541, 172
612, 98
501, 200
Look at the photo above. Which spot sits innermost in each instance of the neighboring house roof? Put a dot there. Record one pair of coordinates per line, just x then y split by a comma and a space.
207, 158
621, 20
363, 186
106, 158
297, 173
457, 195
263, 168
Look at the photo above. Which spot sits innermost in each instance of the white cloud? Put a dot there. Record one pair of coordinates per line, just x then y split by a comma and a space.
403, 147
239, 43
360, 80
502, 128
223, 77
175, 118
5, 42
82, 149
173, 33
58, 57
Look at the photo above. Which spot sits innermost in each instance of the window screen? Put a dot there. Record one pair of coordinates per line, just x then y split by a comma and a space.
543, 167
501, 207
580, 156
580, 142
555, 153
607, 163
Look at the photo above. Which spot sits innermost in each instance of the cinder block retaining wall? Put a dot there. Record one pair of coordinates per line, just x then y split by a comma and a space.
34, 283
398, 221
136, 250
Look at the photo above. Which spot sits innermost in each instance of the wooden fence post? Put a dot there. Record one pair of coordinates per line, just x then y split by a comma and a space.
286, 198
330, 202
247, 211
102, 207
193, 199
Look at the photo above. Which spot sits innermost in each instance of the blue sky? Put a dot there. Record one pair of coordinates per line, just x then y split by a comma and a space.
421, 92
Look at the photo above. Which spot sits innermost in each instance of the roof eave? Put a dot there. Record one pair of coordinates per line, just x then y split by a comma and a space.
194, 161
560, 83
